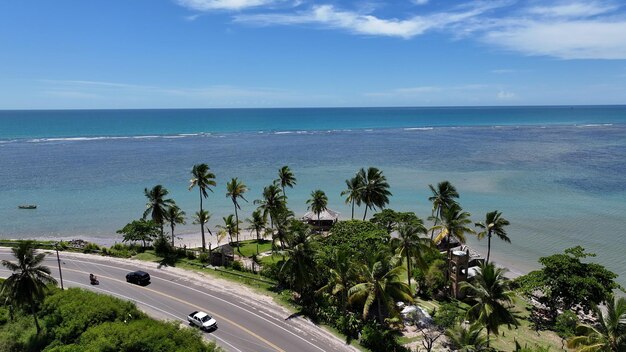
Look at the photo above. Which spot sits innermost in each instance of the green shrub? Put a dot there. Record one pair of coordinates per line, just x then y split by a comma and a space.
377, 338
204, 257
191, 255
448, 315
565, 324
237, 265
91, 248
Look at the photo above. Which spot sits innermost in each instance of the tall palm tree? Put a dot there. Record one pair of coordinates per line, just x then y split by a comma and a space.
286, 178
341, 274
282, 221
204, 179
353, 191
375, 190
27, 284
409, 244
230, 226
379, 283
257, 224
608, 335
443, 197
235, 190
175, 216
300, 261
493, 299
454, 225
157, 205
493, 225
272, 202
317, 204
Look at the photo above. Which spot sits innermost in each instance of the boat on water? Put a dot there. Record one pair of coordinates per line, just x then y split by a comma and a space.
27, 206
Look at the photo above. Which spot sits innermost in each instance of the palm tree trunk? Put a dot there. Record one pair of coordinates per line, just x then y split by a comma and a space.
257, 241
380, 312
172, 225
319, 226
237, 228
432, 232
488, 245
202, 225
365, 213
352, 210
408, 269
32, 307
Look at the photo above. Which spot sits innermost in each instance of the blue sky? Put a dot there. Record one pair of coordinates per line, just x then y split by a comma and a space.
299, 53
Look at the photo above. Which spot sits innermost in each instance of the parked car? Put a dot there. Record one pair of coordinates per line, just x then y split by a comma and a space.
202, 320
138, 277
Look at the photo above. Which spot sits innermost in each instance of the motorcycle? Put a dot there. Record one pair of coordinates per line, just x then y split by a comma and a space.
93, 279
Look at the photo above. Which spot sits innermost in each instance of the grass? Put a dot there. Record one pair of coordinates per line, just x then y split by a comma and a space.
248, 248
271, 259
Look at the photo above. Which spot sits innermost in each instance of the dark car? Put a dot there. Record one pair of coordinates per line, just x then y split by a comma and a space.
138, 277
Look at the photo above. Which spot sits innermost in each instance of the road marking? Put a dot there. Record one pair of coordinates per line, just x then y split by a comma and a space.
215, 297
198, 308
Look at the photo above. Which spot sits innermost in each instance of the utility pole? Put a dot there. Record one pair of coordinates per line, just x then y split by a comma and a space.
56, 246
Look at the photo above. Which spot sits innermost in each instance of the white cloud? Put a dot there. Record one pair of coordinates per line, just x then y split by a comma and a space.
564, 39
208, 5
573, 9
329, 16
420, 2
504, 95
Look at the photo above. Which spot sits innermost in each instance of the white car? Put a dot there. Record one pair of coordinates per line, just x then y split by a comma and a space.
202, 320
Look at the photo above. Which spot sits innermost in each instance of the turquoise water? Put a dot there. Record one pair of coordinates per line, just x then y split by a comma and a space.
557, 173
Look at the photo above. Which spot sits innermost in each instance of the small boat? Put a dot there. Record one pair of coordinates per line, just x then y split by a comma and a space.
27, 206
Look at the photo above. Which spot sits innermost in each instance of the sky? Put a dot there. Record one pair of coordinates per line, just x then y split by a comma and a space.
116, 54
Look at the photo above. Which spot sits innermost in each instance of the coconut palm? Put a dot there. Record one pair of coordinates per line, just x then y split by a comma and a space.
410, 245
608, 335
375, 190
157, 205
27, 284
204, 179
341, 274
235, 190
282, 221
257, 224
467, 339
489, 290
493, 225
175, 216
317, 204
272, 202
230, 226
443, 196
286, 178
379, 284
353, 191
299, 264
453, 225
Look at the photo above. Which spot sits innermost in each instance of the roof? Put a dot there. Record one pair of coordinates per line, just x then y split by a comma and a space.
201, 315
326, 215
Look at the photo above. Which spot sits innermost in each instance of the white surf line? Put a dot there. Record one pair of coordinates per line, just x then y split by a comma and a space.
220, 299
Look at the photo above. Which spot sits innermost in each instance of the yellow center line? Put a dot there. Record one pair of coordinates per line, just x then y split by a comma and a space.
195, 307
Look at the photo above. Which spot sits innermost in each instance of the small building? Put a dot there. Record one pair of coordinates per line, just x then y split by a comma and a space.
223, 255
458, 272
327, 219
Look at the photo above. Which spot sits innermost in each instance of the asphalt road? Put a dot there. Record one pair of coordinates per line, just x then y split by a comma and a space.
245, 322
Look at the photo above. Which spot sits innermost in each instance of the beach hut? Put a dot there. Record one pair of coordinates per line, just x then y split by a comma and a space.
327, 219
222, 255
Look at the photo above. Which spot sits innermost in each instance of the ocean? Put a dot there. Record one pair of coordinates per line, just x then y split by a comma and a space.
556, 173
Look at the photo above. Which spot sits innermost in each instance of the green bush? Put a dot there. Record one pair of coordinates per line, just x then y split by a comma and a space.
204, 257
91, 248
565, 324
237, 265
191, 255
448, 315
377, 338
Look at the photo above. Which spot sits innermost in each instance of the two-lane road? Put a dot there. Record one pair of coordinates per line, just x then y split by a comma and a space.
248, 322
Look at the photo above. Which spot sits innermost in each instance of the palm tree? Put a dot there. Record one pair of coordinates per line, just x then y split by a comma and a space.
202, 218
494, 224
230, 226
609, 334
157, 205
380, 283
286, 178
282, 221
300, 261
27, 284
493, 299
272, 201
353, 191
204, 179
175, 216
409, 244
317, 204
235, 190
375, 190
257, 224
468, 339
443, 197
341, 274
453, 225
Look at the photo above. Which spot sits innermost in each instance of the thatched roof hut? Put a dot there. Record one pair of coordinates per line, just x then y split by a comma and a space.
327, 219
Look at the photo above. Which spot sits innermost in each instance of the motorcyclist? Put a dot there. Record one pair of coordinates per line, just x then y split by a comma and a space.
92, 277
